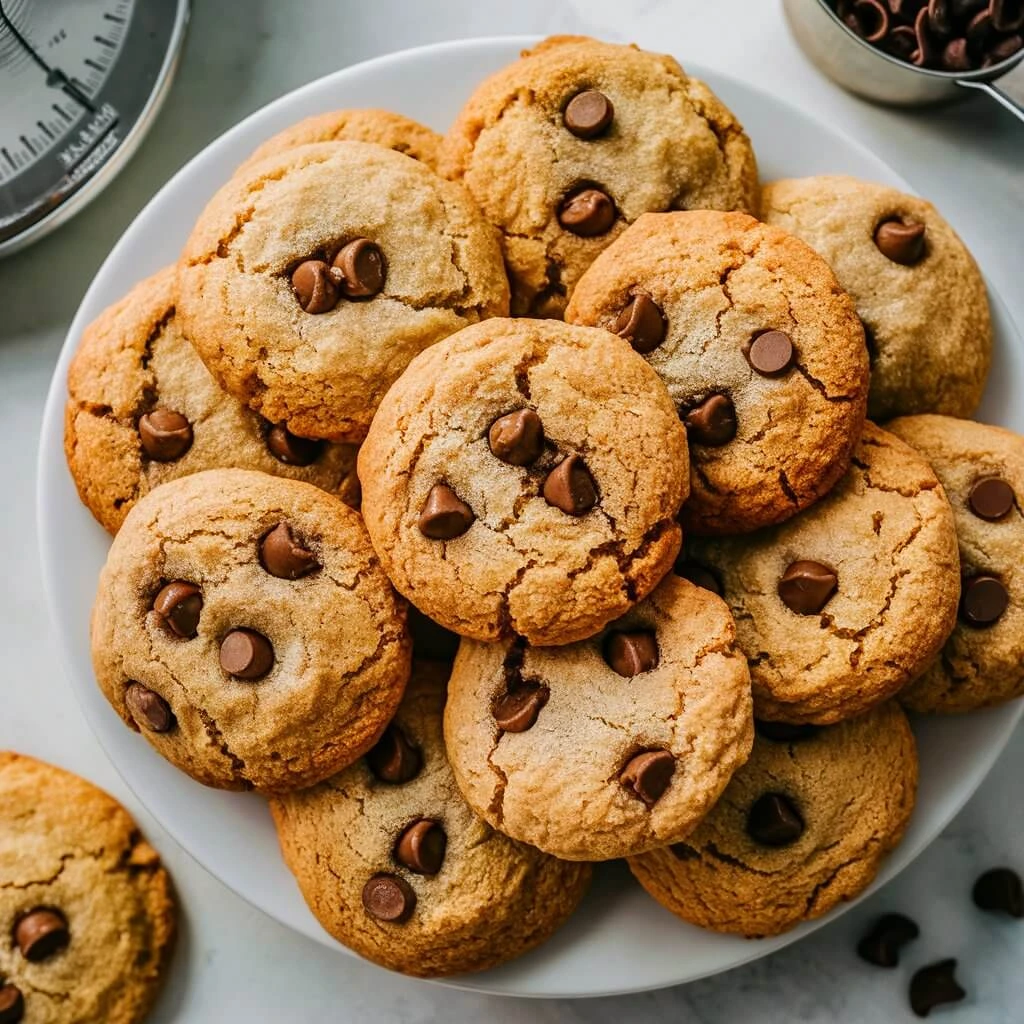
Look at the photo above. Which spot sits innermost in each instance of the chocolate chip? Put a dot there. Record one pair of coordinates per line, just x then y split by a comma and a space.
631, 653
587, 212
518, 708
770, 353
983, 601
361, 268
393, 758
421, 847
641, 323
711, 423
698, 575
444, 516
431, 640
933, 986
166, 435
517, 437
648, 774
246, 654
1007, 15
570, 487
990, 498
1000, 890
901, 241
178, 604
41, 933
389, 898
774, 820
314, 286
806, 587
284, 557
588, 114
12, 1005
784, 732
881, 946
291, 449
149, 709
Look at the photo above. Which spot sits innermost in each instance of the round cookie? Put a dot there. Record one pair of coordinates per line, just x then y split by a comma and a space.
312, 279
805, 824
567, 146
395, 865
759, 348
381, 127
840, 607
143, 409
915, 286
982, 471
523, 478
607, 747
244, 626
86, 907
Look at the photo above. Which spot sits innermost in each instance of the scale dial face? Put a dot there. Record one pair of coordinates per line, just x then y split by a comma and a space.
79, 81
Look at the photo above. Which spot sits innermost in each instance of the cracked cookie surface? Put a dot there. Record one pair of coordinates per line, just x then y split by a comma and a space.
982, 663
528, 561
847, 792
381, 127
285, 659
631, 737
490, 898
669, 143
715, 284
827, 643
69, 849
132, 360
323, 373
928, 320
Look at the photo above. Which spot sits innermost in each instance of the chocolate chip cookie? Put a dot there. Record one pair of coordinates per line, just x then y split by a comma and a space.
143, 409
86, 907
760, 349
804, 825
523, 478
842, 606
397, 867
607, 747
382, 127
567, 146
982, 471
915, 286
313, 278
244, 626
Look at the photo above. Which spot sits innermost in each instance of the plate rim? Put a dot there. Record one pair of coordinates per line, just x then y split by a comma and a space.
50, 465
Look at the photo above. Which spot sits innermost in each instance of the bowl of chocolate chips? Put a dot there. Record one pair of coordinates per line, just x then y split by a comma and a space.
916, 52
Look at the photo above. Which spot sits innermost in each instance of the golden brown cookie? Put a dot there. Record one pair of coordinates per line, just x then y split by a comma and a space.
915, 286
759, 347
570, 144
397, 867
804, 825
607, 747
312, 279
143, 409
382, 127
982, 470
244, 626
86, 908
523, 478
843, 605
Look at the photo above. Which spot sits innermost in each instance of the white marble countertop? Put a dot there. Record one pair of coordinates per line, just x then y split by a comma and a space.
234, 964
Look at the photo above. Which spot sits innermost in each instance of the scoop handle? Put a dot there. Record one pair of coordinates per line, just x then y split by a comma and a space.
1008, 90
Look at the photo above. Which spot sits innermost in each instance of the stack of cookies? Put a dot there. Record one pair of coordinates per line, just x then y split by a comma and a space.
689, 584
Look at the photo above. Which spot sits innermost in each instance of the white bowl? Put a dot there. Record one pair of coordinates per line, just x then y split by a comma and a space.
620, 940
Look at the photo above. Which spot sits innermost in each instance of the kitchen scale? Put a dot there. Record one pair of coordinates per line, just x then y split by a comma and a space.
80, 82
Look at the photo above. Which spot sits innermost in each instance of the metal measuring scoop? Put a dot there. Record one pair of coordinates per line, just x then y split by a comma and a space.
859, 66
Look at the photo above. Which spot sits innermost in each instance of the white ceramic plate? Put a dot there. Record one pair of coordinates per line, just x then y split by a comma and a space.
620, 940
